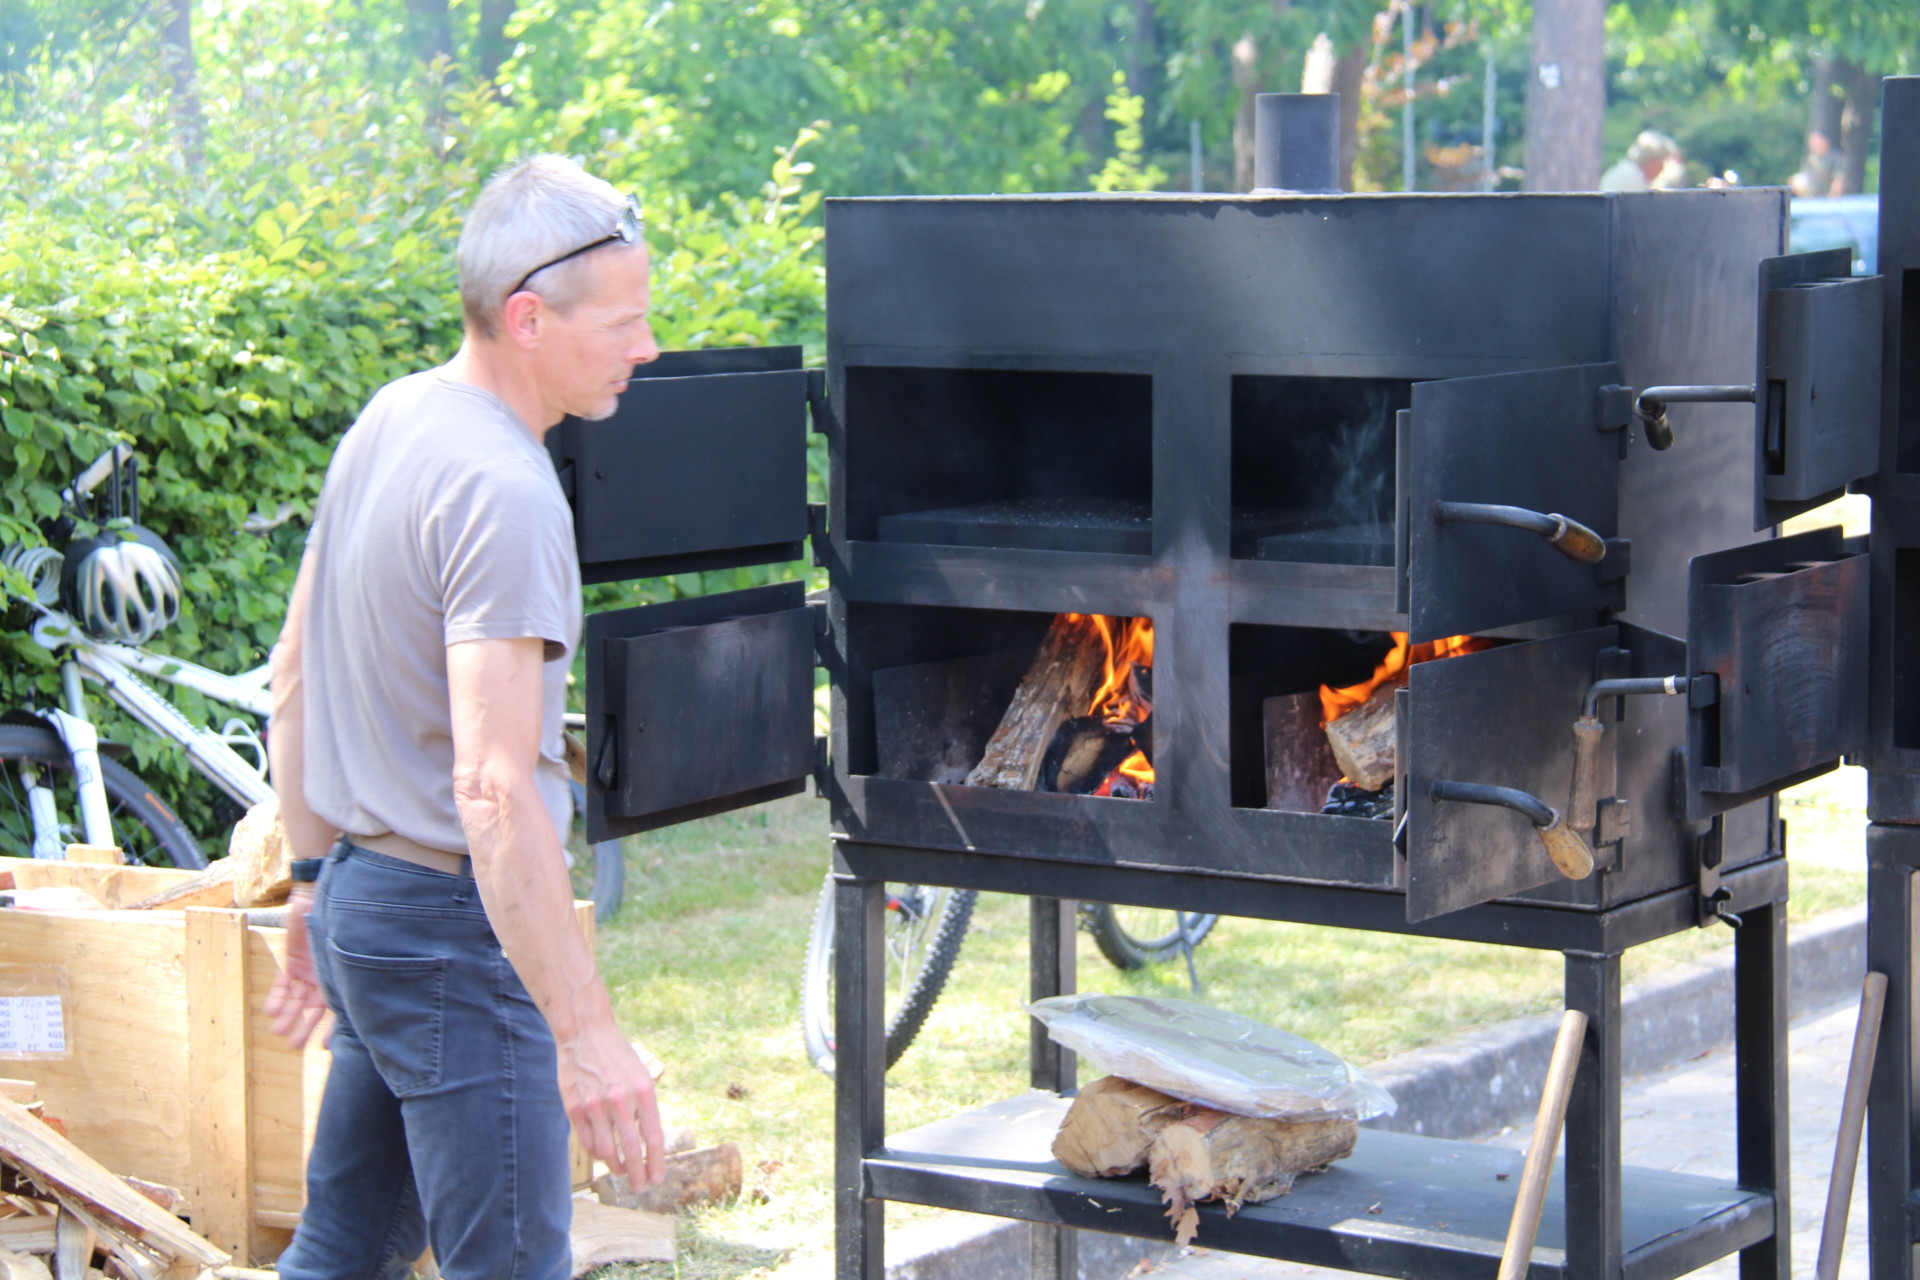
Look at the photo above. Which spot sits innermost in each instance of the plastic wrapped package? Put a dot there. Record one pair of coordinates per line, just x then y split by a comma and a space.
1218, 1059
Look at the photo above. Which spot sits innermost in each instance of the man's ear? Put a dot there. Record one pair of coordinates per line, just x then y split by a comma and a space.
522, 318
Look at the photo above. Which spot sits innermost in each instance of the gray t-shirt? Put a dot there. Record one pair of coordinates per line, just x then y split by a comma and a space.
441, 521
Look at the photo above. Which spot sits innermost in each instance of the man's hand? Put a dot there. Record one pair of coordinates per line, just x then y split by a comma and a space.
610, 1099
295, 1003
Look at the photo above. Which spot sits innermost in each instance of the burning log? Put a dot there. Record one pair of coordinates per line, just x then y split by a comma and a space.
1363, 739
1079, 721
1300, 764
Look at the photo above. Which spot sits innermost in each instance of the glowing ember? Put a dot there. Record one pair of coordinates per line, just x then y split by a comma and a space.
1335, 703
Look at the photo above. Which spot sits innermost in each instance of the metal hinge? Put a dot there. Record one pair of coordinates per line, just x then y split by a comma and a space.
822, 628
819, 408
1617, 563
822, 767
1710, 849
1615, 821
566, 480
817, 532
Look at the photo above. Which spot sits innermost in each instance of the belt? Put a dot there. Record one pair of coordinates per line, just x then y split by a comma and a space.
395, 845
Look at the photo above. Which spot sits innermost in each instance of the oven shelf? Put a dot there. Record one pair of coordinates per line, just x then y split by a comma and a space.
1401, 1205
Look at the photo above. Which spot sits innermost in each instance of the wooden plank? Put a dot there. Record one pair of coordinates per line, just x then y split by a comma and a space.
28, 1233
105, 855
284, 1086
77, 1179
114, 887
220, 1147
122, 1091
16, 1265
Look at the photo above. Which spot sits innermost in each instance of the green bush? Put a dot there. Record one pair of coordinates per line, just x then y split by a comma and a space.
230, 319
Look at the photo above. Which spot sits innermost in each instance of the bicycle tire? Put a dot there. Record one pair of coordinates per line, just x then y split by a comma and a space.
1127, 949
147, 831
941, 920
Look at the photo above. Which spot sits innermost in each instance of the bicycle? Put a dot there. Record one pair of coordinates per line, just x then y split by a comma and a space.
924, 927
52, 762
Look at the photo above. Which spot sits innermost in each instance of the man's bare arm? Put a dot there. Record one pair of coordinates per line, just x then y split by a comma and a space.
496, 688
295, 1002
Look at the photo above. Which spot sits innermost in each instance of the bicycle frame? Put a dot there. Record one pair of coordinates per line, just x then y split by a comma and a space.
119, 668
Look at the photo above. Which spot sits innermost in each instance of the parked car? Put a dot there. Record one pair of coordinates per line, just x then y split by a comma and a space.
1834, 222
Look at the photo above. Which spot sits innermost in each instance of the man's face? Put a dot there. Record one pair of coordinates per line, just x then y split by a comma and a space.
596, 343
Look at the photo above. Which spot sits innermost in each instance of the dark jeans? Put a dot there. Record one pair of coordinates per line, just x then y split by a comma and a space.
442, 1119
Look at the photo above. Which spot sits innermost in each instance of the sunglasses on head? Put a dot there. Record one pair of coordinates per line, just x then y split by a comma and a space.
626, 230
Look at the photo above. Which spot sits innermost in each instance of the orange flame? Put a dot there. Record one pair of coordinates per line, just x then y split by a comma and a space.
1122, 697
1335, 703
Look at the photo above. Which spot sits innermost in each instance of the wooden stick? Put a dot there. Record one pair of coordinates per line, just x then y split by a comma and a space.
1532, 1196
1853, 1115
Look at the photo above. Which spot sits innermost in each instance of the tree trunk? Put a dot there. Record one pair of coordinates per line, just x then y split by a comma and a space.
432, 29
1566, 95
1143, 50
176, 52
1344, 74
1246, 84
492, 47
1825, 103
1862, 98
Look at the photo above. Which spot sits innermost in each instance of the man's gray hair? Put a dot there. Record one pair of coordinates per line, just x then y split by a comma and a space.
530, 213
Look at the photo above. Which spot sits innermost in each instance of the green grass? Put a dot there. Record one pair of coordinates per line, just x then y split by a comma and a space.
704, 960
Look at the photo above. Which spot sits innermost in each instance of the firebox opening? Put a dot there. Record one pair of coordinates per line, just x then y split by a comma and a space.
1313, 468
1311, 716
1042, 460
1056, 703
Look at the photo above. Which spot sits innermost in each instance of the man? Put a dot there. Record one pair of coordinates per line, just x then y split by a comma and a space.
1823, 172
418, 689
1646, 166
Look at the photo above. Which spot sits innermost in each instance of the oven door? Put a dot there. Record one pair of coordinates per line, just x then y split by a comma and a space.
1777, 655
1509, 498
1817, 383
1499, 718
705, 704
703, 465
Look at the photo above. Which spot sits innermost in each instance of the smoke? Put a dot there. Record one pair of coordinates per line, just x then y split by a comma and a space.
1361, 461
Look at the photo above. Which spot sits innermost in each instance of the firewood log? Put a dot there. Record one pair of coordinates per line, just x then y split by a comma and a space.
1203, 1154
263, 864
1109, 1127
1363, 740
703, 1176
1060, 684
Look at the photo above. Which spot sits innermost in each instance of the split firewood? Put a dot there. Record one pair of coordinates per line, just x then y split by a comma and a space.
704, 1176
1110, 1126
210, 888
172, 1199
72, 1247
28, 1233
1060, 684
263, 862
24, 1092
90, 1192
1203, 1154
1363, 740
603, 1234
15, 1265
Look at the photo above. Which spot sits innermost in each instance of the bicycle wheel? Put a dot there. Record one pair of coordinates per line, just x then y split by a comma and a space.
1135, 937
143, 826
924, 928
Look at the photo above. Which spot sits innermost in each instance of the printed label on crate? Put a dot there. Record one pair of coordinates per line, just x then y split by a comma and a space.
32, 1024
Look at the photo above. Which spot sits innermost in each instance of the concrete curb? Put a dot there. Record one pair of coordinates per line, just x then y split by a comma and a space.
1473, 1084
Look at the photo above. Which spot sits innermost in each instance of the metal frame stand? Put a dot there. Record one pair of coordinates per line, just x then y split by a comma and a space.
1597, 1201
1893, 1139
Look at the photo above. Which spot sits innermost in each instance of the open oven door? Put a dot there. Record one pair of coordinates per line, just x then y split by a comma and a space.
1777, 660
701, 705
1485, 732
1509, 498
1817, 382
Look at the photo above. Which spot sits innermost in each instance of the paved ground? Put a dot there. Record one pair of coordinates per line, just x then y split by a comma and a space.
1680, 1119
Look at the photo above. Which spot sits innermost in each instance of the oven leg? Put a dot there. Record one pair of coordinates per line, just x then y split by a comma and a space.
1054, 1250
860, 1074
1760, 1080
1593, 1122
1893, 1142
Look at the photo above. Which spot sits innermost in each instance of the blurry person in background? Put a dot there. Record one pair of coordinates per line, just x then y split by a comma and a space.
1823, 172
1653, 162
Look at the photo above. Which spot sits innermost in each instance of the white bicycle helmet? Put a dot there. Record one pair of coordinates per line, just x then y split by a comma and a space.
123, 586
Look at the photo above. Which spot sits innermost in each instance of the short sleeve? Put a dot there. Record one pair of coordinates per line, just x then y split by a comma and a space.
502, 544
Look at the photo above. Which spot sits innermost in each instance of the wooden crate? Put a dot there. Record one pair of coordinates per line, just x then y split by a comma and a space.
174, 1073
